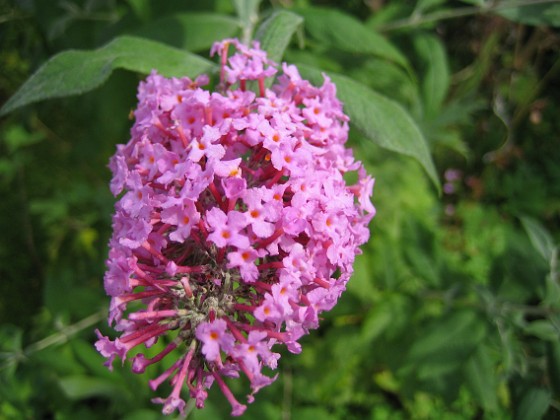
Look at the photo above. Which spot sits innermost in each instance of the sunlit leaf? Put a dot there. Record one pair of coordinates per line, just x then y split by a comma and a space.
276, 32
74, 72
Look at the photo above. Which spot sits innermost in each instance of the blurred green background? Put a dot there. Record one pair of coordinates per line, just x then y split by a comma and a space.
454, 309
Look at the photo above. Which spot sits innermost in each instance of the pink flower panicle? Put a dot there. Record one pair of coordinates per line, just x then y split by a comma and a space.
235, 227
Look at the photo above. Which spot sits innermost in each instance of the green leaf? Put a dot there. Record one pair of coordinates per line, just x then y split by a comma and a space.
386, 314
79, 387
552, 293
533, 404
446, 344
334, 28
390, 80
141, 8
540, 237
17, 137
143, 414
547, 14
86, 354
553, 365
361, 285
480, 377
435, 80
379, 119
275, 33
542, 329
312, 413
75, 72
191, 31
423, 6
475, 2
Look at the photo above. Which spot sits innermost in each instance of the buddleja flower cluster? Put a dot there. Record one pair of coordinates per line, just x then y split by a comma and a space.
234, 228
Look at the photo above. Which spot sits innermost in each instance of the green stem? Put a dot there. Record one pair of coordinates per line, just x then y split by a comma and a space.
248, 12
417, 19
56, 338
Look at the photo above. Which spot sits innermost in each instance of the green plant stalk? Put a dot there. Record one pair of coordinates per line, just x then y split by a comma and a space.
56, 338
417, 20
248, 13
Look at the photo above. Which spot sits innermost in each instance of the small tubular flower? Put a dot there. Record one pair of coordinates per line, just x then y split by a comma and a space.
234, 227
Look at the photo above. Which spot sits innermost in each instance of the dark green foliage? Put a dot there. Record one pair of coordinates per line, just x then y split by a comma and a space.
453, 311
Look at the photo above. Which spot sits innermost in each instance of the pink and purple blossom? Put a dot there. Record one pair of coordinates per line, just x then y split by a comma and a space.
234, 228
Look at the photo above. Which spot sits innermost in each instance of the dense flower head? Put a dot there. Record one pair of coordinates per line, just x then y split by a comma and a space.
235, 227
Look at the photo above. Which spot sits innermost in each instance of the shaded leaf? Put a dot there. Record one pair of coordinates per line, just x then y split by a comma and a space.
481, 378
276, 32
391, 80
339, 30
191, 31
17, 137
542, 329
423, 6
78, 387
533, 14
312, 413
90, 358
74, 72
143, 414
382, 316
446, 344
435, 80
361, 285
379, 119
539, 236
553, 365
533, 404
141, 8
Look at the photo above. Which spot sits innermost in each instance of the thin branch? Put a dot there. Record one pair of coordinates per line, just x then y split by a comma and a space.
417, 20
59, 337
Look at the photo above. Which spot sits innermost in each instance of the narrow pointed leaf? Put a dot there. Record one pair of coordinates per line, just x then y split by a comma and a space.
379, 119
533, 405
540, 237
481, 378
191, 31
446, 344
435, 78
342, 31
74, 72
276, 32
